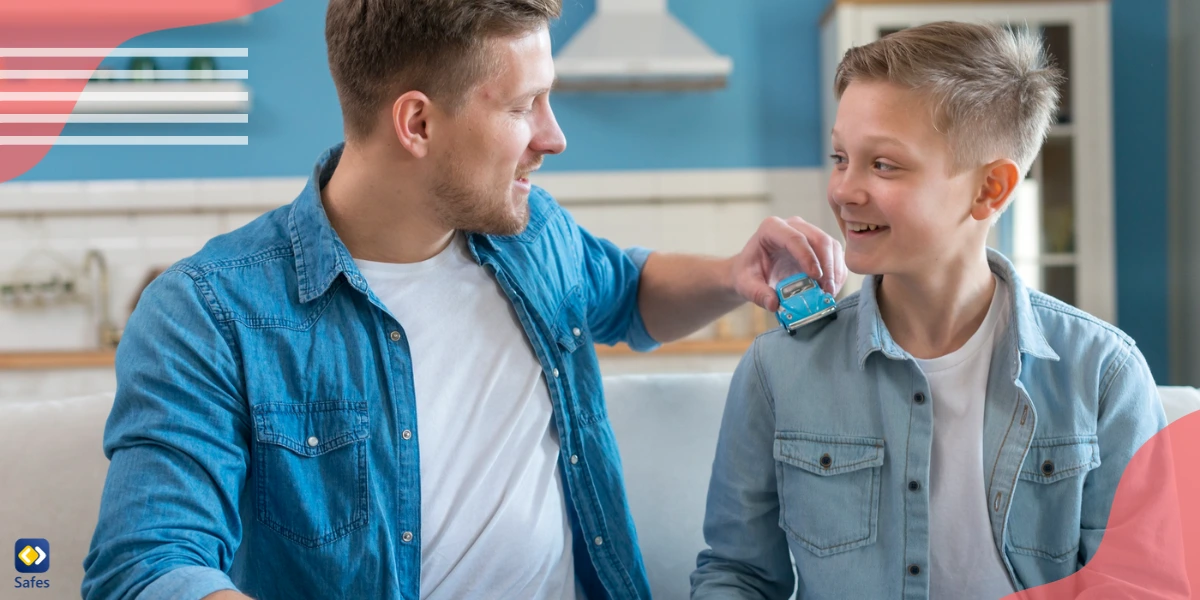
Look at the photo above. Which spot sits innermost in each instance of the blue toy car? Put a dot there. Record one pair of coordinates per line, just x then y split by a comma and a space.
802, 301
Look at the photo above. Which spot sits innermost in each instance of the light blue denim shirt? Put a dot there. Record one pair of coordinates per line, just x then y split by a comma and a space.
825, 450
264, 431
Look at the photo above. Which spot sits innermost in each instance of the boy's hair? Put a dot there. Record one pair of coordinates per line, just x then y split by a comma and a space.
992, 91
380, 49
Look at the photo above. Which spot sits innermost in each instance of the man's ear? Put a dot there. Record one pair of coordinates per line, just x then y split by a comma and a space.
411, 122
1000, 180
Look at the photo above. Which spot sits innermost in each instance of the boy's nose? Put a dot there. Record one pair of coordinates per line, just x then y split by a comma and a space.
844, 189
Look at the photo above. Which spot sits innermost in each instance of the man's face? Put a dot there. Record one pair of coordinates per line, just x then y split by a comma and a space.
488, 149
899, 207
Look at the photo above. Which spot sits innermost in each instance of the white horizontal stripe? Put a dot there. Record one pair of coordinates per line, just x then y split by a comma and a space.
124, 140
124, 118
126, 52
122, 74
124, 96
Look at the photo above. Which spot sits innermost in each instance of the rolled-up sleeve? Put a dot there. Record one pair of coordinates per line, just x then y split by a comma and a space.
611, 276
178, 443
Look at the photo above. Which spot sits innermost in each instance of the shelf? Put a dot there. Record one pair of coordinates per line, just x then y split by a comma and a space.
682, 348
1061, 131
1058, 260
87, 359
127, 13
164, 97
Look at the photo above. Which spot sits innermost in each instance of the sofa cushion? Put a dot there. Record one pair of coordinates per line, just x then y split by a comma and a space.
666, 427
53, 475
1179, 401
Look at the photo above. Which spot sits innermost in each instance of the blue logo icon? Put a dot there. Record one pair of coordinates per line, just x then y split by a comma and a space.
32, 555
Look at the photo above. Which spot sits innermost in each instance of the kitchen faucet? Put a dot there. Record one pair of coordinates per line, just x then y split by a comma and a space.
108, 334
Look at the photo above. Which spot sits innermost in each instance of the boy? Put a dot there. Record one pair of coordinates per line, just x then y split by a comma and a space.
952, 434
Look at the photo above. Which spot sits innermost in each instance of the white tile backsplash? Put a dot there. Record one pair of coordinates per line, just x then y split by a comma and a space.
129, 222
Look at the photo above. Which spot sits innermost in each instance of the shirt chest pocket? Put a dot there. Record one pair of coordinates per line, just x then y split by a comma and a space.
1048, 501
570, 336
310, 474
828, 490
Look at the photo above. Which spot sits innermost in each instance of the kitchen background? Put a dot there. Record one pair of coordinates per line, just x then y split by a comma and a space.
693, 170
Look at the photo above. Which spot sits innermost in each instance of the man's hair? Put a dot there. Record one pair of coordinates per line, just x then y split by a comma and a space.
992, 90
380, 49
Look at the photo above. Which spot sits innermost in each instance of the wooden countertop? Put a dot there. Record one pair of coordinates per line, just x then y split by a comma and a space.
85, 359
99, 359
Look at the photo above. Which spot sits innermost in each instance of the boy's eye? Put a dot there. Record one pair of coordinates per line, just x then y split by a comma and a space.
882, 166
838, 159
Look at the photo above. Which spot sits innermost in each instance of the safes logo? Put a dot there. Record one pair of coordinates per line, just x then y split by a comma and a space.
31, 555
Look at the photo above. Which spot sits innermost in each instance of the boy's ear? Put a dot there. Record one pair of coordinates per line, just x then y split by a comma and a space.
1000, 180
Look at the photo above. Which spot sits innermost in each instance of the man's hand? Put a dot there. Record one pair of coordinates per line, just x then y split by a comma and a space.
680, 293
781, 248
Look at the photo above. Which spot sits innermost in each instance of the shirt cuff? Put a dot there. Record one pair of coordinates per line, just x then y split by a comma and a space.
637, 337
188, 583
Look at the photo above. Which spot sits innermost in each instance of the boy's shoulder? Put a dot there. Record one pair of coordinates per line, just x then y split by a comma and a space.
831, 342
1064, 324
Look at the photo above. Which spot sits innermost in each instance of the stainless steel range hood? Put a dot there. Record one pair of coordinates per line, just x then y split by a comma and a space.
638, 45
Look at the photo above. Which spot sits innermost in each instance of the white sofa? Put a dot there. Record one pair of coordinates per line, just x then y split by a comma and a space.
666, 426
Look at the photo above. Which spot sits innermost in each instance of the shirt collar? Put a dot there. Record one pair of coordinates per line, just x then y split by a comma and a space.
320, 254
873, 335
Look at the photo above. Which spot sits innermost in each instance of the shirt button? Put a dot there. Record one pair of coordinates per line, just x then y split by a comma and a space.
914, 570
313, 441
919, 398
406, 536
574, 459
406, 434
554, 373
1048, 468
577, 332
913, 486
395, 336
599, 541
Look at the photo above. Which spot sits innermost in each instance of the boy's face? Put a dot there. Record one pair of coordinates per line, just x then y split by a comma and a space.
899, 207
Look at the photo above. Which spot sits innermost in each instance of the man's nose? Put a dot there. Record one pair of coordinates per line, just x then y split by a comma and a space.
549, 138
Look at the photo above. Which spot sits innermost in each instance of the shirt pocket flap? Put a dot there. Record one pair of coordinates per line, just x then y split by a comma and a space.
1055, 459
570, 323
828, 455
311, 428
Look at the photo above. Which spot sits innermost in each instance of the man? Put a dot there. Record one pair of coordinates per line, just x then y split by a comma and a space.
388, 389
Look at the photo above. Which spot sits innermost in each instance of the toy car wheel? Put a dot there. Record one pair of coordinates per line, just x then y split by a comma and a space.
792, 332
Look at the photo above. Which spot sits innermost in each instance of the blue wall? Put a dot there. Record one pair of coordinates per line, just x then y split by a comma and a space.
768, 116
1140, 103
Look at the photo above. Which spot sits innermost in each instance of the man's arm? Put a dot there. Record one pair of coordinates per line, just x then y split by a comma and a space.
178, 442
678, 293
227, 595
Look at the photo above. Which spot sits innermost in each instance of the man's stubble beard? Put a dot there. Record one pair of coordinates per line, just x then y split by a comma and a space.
474, 209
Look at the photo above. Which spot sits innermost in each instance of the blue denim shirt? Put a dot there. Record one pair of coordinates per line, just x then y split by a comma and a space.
1069, 401
264, 429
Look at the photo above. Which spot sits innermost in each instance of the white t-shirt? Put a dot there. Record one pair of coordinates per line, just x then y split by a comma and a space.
964, 560
493, 513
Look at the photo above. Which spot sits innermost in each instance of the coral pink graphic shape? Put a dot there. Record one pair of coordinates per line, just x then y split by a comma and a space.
80, 24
